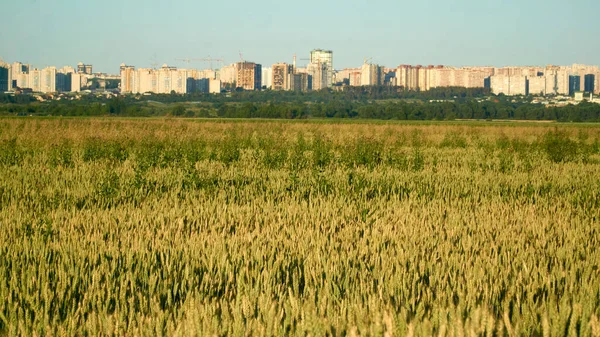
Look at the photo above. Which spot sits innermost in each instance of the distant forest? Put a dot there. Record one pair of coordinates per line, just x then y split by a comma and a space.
384, 103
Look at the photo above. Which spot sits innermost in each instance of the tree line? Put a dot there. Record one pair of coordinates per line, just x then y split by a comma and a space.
361, 102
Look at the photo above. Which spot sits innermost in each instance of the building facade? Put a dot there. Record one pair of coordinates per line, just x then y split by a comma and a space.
164, 80
84, 68
574, 84
20, 75
507, 84
267, 77
325, 57
228, 74
301, 82
537, 85
249, 75
371, 74
589, 83
42, 80
6, 80
318, 73
281, 76
128, 77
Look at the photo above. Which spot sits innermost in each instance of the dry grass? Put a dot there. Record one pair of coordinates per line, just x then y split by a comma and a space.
173, 227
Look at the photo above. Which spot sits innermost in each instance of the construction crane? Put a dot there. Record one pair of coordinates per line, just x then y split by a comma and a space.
318, 61
367, 59
303, 59
154, 62
211, 59
206, 59
186, 60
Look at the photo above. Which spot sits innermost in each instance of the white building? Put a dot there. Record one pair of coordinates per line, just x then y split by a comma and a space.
75, 82
324, 57
214, 86
500, 84
20, 74
371, 74
228, 74
318, 72
43, 80
537, 85
171, 79
267, 77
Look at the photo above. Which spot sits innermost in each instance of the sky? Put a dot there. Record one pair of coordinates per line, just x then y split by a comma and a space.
391, 32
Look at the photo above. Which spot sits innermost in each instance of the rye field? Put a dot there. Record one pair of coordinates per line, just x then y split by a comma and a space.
171, 227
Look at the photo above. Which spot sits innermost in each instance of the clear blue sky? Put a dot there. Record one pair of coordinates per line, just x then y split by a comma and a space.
450, 32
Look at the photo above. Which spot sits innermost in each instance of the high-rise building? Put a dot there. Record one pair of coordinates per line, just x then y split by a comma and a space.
171, 79
18, 68
84, 68
412, 78
159, 81
584, 70
318, 73
43, 80
423, 78
214, 86
574, 84
341, 77
64, 79
20, 75
589, 83
320, 56
146, 81
35, 80
198, 85
48, 80
550, 79
557, 80
476, 77
202, 81
75, 82
127, 78
301, 82
401, 76
267, 77
63, 82
228, 74
500, 84
5, 77
537, 85
249, 75
281, 76
389, 77
355, 77
518, 85
509, 85
371, 74
562, 81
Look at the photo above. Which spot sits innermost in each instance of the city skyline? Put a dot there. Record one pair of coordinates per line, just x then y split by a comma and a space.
461, 33
522, 80
115, 70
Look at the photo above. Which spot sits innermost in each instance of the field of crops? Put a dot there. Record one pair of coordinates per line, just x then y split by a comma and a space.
213, 228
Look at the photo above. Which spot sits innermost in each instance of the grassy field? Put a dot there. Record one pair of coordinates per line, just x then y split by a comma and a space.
215, 228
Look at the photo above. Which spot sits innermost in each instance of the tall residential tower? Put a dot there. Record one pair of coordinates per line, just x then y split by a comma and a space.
323, 57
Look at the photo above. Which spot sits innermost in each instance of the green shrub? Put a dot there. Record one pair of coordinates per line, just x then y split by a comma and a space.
559, 147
